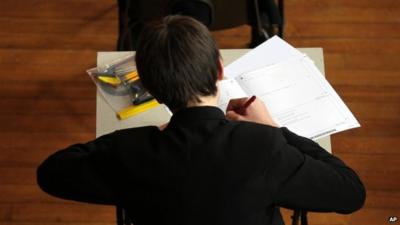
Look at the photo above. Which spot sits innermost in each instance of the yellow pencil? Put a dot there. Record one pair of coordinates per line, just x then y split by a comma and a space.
136, 109
131, 75
133, 79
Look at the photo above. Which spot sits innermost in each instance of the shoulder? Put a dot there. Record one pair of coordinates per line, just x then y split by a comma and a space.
137, 134
137, 131
254, 129
256, 135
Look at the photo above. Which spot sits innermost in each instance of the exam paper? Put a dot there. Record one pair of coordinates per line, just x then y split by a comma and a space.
299, 97
229, 89
270, 52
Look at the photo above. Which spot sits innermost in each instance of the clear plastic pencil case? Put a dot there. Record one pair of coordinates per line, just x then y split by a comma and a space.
118, 82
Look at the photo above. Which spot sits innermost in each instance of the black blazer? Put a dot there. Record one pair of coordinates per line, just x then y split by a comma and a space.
203, 169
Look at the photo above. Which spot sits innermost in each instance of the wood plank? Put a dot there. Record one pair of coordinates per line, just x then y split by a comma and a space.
5, 214
45, 64
371, 163
342, 14
46, 106
10, 194
59, 41
353, 61
72, 89
349, 95
53, 72
55, 223
353, 45
383, 199
362, 77
102, 10
368, 90
375, 129
233, 43
388, 110
34, 140
77, 212
361, 217
18, 176
69, 121
344, 3
33, 149
380, 180
62, 212
48, 57
25, 157
364, 145
364, 216
61, 26
389, 93
354, 30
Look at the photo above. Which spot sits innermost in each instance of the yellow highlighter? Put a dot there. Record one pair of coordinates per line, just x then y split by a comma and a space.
114, 81
136, 109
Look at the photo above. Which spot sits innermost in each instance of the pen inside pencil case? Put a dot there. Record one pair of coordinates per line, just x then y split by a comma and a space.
125, 70
139, 93
142, 98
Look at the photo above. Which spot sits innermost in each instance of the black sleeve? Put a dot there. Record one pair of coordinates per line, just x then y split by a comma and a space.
305, 176
80, 172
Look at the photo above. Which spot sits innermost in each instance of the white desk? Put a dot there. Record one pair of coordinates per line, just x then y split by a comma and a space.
106, 120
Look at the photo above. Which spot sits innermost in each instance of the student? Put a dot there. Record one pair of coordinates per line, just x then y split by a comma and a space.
203, 167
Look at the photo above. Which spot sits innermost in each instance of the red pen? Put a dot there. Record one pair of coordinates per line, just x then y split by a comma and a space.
242, 109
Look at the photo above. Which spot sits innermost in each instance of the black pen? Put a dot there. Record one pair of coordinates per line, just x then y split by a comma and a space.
143, 98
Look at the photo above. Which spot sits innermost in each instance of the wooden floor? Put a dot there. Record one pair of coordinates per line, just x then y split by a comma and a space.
47, 101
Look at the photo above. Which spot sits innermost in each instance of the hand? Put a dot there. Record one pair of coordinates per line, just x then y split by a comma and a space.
255, 112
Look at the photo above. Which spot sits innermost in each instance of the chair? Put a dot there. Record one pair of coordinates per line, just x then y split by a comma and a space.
264, 16
122, 217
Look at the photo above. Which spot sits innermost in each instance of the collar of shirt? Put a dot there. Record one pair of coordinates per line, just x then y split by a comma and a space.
192, 114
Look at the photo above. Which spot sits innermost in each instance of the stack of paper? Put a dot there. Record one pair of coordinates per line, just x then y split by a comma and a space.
295, 92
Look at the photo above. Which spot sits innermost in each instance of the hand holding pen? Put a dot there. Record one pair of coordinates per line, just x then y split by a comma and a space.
241, 109
249, 109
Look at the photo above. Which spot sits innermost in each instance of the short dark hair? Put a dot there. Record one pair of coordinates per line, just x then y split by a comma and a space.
177, 61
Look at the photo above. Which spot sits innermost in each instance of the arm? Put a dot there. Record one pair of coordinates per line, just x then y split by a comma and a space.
80, 172
310, 178
302, 175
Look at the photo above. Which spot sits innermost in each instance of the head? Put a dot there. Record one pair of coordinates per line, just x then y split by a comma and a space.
178, 61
